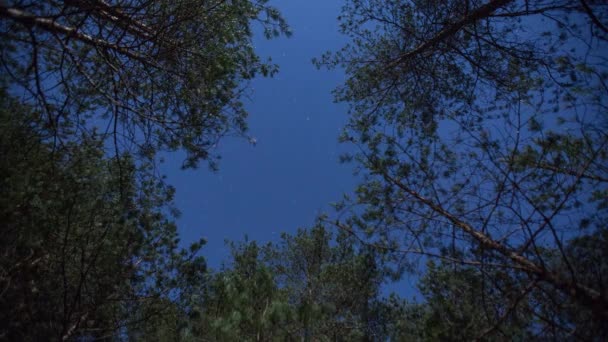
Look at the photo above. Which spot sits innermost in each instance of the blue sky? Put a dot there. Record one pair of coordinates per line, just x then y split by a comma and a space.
292, 174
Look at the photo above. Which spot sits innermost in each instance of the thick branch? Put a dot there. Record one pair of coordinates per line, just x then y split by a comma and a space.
592, 16
584, 294
115, 15
49, 25
474, 16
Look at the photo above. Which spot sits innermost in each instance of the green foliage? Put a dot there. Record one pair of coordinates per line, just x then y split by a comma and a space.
244, 303
481, 133
308, 287
481, 130
155, 75
468, 303
460, 305
335, 288
89, 248
87, 241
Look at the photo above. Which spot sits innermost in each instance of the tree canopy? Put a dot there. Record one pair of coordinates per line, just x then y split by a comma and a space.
83, 246
91, 91
482, 132
150, 75
480, 138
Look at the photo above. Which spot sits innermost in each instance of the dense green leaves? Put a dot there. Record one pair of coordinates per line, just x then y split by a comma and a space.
85, 243
309, 286
92, 90
244, 303
334, 285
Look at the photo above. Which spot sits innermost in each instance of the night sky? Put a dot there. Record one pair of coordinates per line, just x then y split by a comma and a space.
292, 174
